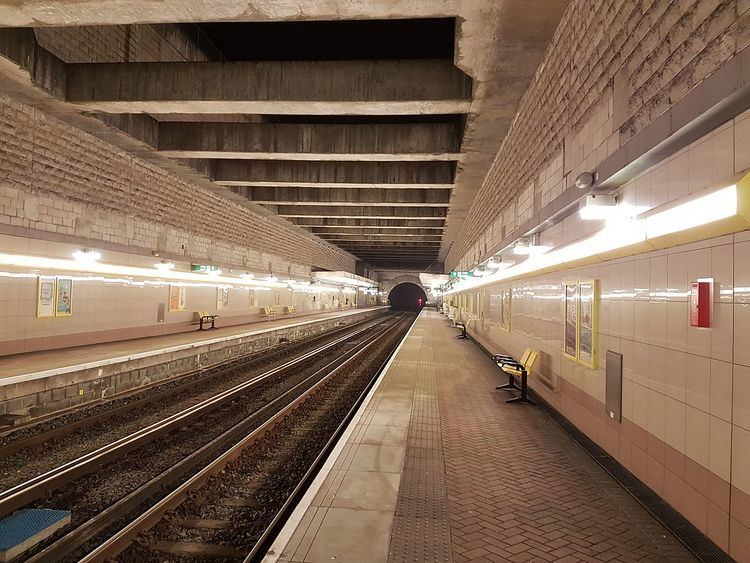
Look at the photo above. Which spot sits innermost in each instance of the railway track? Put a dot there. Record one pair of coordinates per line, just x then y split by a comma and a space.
45, 429
165, 455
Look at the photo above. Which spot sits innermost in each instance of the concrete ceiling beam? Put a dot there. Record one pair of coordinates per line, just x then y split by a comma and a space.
42, 13
347, 197
337, 223
311, 141
363, 232
387, 244
366, 87
340, 203
264, 173
362, 212
414, 239
318, 214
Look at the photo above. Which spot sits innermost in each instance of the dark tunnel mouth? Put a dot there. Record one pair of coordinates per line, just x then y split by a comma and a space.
406, 296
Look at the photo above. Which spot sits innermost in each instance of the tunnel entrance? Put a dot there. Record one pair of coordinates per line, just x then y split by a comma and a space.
407, 297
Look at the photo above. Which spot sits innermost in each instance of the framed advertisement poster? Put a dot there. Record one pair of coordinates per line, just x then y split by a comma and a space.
45, 296
505, 308
176, 298
570, 333
587, 324
64, 297
495, 308
222, 298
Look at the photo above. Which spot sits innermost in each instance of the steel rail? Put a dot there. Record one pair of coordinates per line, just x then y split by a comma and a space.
212, 371
38, 486
119, 541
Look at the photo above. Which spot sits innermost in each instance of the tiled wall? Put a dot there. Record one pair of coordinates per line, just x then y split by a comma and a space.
686, 391
115, 310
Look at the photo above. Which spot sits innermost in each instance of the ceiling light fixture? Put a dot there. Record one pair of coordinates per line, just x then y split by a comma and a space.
87, 255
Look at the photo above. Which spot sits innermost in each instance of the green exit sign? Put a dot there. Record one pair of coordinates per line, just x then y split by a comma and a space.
203, 268
461, 275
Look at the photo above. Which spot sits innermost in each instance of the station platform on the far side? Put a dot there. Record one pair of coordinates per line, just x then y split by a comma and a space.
437, 467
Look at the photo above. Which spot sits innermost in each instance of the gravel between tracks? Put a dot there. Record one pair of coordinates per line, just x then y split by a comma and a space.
27, 463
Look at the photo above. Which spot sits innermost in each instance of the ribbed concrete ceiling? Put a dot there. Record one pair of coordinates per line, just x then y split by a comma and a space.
371, 126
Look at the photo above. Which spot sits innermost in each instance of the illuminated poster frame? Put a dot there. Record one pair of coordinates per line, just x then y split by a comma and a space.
63, 297
45, 296
222, 298
506, 307
176, 298
570, 321
588, 321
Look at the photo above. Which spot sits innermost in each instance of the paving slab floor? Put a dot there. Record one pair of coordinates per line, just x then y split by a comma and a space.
440, 468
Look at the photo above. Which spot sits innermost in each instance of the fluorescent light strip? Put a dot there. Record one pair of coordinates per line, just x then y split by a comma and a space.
59, 264
707, 209
156, 278
721, 204
335, 278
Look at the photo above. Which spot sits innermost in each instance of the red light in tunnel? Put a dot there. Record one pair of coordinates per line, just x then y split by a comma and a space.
419, 301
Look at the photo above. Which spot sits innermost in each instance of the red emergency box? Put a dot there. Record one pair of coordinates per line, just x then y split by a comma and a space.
700, 304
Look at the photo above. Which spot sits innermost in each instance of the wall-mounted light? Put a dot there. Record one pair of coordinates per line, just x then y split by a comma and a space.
164, 266
247, 276
604, 207
272, 278
87, 255
699, 217
530, 246
499, 263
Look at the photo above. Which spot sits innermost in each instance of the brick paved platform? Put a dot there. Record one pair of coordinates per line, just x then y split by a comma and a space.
468, 478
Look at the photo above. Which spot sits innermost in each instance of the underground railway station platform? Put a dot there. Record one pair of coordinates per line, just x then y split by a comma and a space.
220, 219
439, 467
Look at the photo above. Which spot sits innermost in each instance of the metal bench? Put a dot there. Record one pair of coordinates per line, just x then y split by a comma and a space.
462, 327
204, 318
291, 311
268, 313
514, 368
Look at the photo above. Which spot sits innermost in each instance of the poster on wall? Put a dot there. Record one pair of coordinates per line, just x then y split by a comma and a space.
222, 298
505, 305
253, 299
45, 297
277, 298
64, 297
586, 328
570, 342
176, 298
496, 308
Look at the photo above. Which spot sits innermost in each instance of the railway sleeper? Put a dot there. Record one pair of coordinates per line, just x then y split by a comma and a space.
204, 523
190, 548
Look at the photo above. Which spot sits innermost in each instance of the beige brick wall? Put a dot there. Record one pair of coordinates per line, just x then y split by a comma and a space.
612, 68
55, 178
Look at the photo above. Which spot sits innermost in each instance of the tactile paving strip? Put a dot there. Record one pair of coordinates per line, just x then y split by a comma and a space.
421, 528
